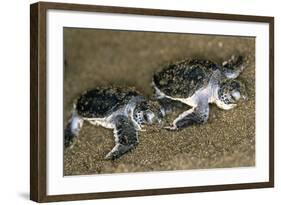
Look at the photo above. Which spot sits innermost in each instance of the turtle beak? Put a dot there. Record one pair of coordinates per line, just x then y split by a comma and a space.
159, 121
245, 96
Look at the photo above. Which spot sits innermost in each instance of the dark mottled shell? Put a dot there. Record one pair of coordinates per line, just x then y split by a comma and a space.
101, 102
183, 79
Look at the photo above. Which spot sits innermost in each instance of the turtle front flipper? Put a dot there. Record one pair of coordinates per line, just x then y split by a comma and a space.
126, 137
234, 66
195, 115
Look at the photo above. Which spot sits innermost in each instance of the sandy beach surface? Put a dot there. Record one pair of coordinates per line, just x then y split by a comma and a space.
120, 58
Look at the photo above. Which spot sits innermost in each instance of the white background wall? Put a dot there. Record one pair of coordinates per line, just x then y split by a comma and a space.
14, 101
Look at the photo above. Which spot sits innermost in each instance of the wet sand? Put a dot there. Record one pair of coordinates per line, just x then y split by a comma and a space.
100, 58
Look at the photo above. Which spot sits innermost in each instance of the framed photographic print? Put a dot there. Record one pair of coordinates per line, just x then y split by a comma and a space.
134, 102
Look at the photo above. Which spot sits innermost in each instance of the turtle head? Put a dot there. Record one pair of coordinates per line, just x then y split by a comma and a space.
148, 112
231, 92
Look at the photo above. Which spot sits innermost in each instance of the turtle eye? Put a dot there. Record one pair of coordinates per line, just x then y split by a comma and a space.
236, 95
145, 117
149, 116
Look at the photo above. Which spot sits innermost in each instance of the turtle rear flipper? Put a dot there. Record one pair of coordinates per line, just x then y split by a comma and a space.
126, 137
169, 105
72, 130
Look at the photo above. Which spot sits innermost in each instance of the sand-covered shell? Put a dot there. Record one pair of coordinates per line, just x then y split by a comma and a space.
101, 102
184, 78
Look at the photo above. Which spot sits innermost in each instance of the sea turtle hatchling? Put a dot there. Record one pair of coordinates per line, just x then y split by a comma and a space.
122, 109
198, 83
